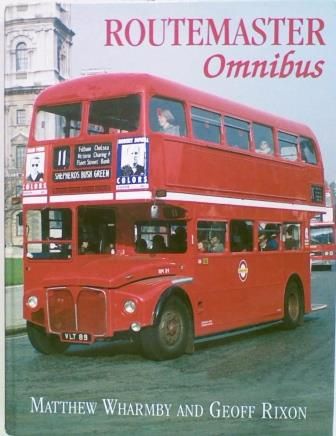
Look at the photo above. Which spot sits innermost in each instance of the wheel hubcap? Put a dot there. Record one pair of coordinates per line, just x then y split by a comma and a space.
293, 306
171, 327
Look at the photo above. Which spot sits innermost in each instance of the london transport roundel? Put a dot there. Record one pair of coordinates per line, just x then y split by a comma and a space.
243, 270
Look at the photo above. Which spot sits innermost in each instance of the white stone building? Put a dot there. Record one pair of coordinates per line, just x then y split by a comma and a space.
37, 49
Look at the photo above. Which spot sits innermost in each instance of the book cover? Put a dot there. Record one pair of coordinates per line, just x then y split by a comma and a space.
247, 73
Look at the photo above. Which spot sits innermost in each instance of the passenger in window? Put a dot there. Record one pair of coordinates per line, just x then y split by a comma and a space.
87, 237
166, 122
86, 247
216, 245
110, 249
203, 246
267, 243
141, 245
291, 242
158, 243
264, 148
180, 239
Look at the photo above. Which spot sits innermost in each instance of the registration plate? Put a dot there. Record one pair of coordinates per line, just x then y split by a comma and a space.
76, 337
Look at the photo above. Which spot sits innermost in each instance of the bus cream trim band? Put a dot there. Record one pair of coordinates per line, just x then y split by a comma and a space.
80, 197
131, 195
175, 196
35, 200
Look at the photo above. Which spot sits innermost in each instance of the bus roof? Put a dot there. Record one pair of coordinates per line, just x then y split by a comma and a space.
106, 85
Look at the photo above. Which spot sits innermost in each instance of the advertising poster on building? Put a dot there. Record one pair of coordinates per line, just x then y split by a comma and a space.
169, 217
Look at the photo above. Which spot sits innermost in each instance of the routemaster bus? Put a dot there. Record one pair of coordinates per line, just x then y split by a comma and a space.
323, 235
161, 214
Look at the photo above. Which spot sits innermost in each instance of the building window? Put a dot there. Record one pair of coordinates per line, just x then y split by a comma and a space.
18, 190
21, 55
20, 117
19, 224
20, 157
59, 54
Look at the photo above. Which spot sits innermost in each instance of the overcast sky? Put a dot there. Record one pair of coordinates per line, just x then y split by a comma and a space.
307, 100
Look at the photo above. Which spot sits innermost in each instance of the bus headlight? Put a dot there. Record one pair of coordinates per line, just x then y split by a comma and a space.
129, 306
136, 327
32, 302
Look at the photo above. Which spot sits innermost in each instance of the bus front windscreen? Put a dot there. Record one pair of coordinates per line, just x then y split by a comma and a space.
114, 115
55, 122
48, 233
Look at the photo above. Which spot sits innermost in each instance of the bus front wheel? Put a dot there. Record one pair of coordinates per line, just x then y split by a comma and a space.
43, 342
167, 339
293, 308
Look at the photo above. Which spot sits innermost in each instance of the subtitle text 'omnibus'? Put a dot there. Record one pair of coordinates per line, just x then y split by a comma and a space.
161, 214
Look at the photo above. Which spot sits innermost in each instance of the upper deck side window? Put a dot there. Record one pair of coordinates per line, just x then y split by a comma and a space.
167, 116
237, 133
263, 139
308, 152
206, 125
114, 115
55, 122
288, 146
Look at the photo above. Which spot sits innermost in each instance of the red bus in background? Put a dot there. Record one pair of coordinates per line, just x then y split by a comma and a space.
323, 235
158, 213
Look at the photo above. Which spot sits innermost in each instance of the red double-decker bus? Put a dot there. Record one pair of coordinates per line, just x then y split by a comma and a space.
161, 214
323, 235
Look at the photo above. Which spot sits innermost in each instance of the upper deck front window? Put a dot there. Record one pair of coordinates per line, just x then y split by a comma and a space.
55, 122
114, 115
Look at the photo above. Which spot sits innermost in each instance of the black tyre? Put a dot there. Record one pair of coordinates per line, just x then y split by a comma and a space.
167, 339
293, 306
43, 342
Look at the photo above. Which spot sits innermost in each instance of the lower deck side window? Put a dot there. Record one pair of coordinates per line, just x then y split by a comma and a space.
241, 235
292, 236
161, 237
96, 230
268, 237
211, 236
